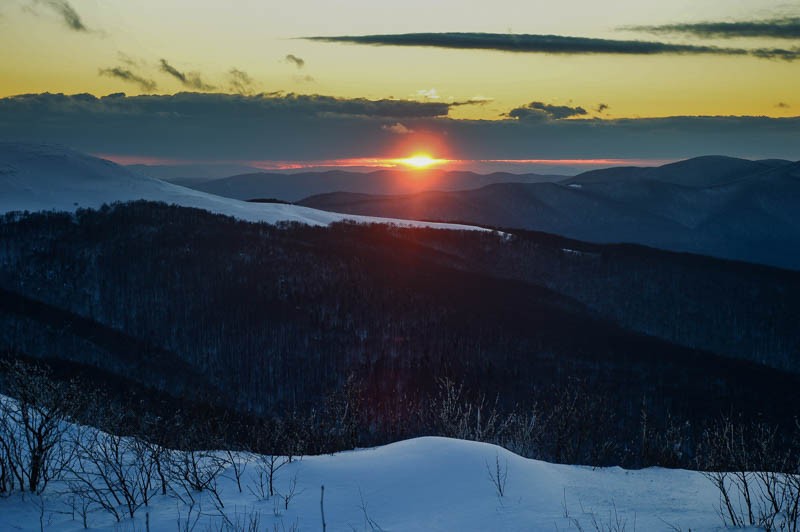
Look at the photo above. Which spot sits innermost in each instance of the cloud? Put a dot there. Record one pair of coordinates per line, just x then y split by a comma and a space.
241, 82
397, 128
544, 111
775, 28
299, 62
68, 15
311, 127
782, 105
124, 74
191, 80
303, 79
601, 107
475, 100
554, 44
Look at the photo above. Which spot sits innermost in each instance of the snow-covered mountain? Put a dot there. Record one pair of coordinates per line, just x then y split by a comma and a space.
36, 177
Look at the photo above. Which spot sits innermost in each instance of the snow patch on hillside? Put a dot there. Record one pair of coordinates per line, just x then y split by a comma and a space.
39, 177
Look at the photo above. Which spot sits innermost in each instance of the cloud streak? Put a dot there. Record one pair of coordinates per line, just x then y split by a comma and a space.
191, 80
124, 74
554, 44
68, 15
776, 28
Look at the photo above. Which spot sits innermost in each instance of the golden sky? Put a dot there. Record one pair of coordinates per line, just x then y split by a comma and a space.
42, 53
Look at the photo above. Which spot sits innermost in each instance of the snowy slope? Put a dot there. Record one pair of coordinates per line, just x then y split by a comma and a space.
428, 483
37, 177
422, 484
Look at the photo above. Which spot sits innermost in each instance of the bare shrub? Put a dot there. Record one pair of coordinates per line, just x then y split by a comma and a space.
33, 427
112, 472
758, 478
498, 475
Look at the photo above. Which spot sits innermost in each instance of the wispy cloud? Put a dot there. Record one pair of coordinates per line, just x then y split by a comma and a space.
129, 60
303, 78
241, 82
776, 28
124, 74
299, 62
602, 107
782, 105
68, 15
554, 44
191, 80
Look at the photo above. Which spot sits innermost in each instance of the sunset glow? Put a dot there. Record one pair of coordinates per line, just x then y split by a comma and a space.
420, 161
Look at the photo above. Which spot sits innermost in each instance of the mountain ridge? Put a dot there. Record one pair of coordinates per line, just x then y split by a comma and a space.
745, 210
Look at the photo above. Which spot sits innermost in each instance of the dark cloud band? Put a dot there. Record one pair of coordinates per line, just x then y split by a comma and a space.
553, 44
308, 127
777, 28
544, 111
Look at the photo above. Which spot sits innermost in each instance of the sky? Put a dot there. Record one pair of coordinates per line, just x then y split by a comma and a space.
259, 81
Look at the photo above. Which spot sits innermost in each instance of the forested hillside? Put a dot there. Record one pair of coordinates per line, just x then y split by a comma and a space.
273, 319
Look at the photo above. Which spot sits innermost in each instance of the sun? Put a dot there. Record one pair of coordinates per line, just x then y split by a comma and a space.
420, 161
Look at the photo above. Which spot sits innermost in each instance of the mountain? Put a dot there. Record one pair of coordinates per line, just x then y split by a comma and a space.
699, 172
190, 173
720, 206
35, 177
293, 187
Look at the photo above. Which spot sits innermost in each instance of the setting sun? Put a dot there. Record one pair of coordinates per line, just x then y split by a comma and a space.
420, 161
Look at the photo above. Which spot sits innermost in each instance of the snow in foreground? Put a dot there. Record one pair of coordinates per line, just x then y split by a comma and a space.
420, 484
39, 177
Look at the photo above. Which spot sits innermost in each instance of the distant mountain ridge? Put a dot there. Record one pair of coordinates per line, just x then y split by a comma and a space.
698, 172
294, 187
189, 173
720, 206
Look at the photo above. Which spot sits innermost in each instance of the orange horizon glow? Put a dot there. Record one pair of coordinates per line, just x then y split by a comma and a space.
415, 162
